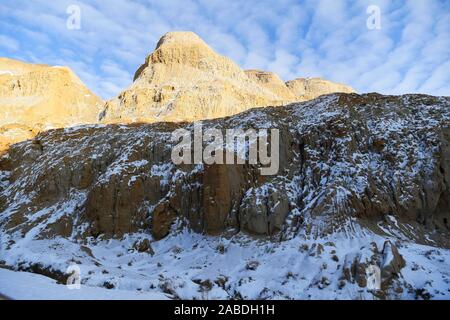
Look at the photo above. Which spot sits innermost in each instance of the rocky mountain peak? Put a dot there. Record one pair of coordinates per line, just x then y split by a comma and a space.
181, 49
183, 79
271, 81
180, 38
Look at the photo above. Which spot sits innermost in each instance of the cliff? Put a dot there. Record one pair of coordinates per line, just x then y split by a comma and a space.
34, 98
185, 80
363, 181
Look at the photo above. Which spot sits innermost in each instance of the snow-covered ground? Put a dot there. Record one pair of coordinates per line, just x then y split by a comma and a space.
337, 185
30, 286
191, 266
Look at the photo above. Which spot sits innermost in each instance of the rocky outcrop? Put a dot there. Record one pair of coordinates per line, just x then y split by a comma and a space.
371, 159
272, 82
311, 88
35, 98
391, 264
182, 80
185, 80
377, 270
362, 180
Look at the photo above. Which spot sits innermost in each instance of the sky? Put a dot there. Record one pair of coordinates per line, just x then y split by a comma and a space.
403, 49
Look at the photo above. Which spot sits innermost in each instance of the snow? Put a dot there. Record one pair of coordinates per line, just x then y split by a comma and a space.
291, 268
31, 286
8, 72
164, 171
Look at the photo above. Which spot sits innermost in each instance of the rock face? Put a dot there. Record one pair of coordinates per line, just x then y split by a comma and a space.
369, 171
185, 80
372, 158
311, 88
272, 82
182, 80
34, 98
376, 269
351, 167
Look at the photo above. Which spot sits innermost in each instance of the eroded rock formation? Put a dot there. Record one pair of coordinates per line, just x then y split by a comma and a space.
185, 80
182, 80
311, 88
342, 157
353, 168
35, 98
370, 172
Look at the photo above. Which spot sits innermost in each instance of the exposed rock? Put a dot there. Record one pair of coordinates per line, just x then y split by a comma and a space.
34, 98
329, 175
272, 82
144, 246
352, 167
311, 88
252, 265
185, 80
162, 219
392, 262
224, 186
263, 211
378, 271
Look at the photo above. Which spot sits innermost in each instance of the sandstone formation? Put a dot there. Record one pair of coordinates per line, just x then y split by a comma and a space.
311, 88
185, 80
35, 98
182, 80
273, 83
362, 189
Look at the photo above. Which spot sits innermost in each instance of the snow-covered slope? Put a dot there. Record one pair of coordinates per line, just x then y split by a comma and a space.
187, 265
31, 286
363, 183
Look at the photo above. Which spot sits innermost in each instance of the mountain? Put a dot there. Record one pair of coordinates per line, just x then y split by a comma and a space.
35, 97
363, 183
357, 208
182, 80
311, 88
185, 80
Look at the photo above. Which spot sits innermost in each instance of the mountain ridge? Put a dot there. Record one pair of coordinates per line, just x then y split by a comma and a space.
363, 183
37, 97
359, 208
184, 79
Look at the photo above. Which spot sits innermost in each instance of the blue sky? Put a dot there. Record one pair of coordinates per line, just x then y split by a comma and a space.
294, 38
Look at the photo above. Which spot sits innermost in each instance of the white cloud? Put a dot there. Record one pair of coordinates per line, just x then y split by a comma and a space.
326, 38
